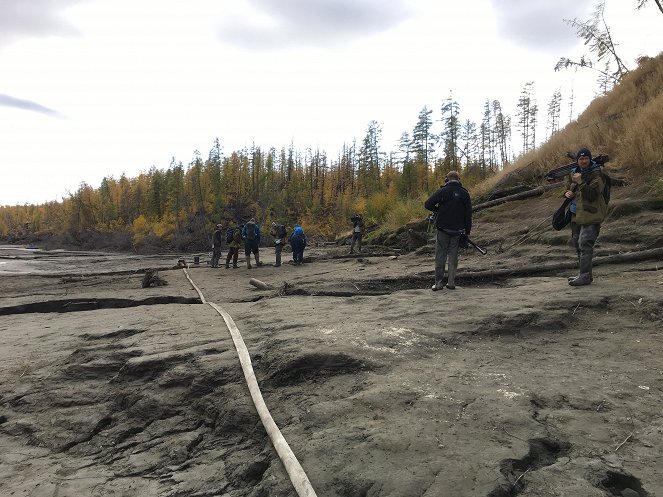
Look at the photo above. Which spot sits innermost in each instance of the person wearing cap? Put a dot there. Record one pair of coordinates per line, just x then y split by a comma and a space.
588, 212
216, 246
453, 206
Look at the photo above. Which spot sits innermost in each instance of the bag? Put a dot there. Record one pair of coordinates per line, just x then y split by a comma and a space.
562, 216
607, 185
464, 241
250, 230
229, 235
281, 232
237, 236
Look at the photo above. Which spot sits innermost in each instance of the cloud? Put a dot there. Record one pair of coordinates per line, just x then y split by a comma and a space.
18, 103
284, 23
21, 18
539, 24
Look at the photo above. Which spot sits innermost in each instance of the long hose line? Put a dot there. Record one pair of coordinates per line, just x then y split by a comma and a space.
295, 471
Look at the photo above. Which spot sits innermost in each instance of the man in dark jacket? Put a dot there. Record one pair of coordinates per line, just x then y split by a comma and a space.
453, 208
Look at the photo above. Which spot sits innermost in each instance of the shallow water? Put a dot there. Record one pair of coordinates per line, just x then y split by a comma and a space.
19, 260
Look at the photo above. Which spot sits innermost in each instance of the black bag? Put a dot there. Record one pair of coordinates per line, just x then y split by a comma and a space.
464, 241
562, 216
229, 235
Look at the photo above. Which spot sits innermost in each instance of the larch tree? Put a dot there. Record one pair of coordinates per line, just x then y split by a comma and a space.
597, 37
526, 116
554, 112
450, 134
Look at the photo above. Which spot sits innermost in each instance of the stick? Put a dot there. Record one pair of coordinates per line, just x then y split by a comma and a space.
517, 479
625, 440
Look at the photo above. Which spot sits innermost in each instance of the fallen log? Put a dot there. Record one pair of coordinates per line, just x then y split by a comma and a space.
518, 196
637, 256
539, 269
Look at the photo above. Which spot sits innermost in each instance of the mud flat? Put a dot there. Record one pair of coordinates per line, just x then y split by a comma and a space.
509, 385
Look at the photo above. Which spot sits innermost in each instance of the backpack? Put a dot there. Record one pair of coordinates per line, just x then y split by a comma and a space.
250, 230
607, 185
281, 232
237, 236
229, 235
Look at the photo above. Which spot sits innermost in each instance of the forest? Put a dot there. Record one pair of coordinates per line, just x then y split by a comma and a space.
177, 208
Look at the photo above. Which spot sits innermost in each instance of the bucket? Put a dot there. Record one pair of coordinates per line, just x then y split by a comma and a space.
196, 259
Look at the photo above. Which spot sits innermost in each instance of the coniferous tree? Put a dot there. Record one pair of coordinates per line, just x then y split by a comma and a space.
450, 134
526, 116
554, 112
502, 133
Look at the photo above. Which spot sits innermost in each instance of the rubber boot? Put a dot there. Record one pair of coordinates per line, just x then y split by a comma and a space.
582, 279
258, 263
571, 278
585, 276
248, 262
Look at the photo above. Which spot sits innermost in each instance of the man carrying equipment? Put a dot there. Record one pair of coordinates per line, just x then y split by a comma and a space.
453, 206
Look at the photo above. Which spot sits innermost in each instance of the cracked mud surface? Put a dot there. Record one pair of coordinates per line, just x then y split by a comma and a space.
515, 386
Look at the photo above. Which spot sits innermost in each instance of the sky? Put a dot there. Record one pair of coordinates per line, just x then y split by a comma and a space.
97, 88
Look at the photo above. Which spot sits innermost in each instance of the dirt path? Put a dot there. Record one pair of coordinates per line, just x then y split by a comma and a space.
506, 386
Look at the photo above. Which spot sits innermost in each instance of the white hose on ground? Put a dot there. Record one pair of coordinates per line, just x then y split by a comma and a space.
295, 471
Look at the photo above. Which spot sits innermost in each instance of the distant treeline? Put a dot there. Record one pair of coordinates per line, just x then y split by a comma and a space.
178, 207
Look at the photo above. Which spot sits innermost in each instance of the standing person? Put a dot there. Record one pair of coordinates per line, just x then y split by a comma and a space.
298, 244
216, 246
234, 240
453, 208
279, 233
357, 231
590, 211
251, 235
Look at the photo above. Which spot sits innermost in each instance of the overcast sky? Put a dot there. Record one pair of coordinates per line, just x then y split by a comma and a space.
94, 88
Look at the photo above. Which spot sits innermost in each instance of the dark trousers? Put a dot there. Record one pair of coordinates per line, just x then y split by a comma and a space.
446, 248
356, 238
216, 255
278, 248
298, 257
233, 253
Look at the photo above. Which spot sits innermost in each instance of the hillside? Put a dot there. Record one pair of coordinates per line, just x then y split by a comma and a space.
625, 124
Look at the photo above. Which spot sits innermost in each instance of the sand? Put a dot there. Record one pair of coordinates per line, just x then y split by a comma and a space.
505, 386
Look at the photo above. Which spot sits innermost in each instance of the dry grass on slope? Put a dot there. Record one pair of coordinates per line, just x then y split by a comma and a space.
626, 124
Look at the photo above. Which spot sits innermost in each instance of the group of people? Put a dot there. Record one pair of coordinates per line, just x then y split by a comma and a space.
249, 235
452, 207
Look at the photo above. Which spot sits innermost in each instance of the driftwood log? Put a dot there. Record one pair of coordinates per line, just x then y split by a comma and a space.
637, 256
518, 196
